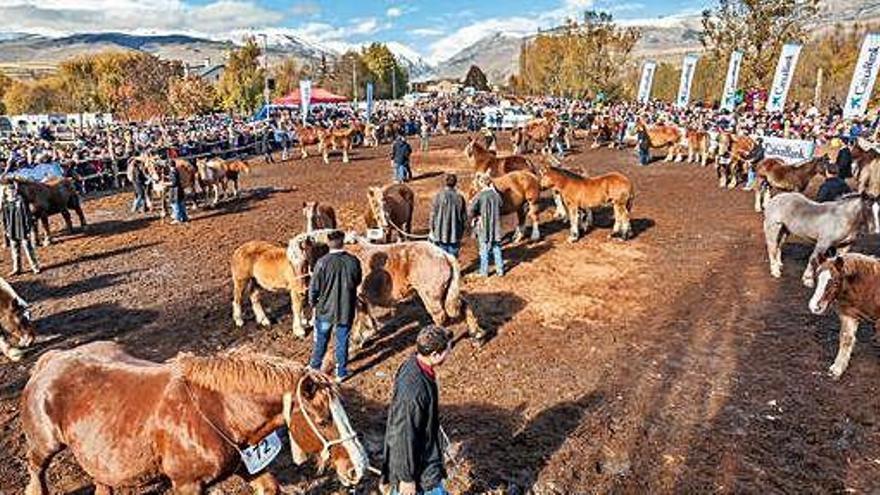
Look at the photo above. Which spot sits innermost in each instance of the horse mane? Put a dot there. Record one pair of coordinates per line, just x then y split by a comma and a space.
861, 264
565, 172
240, 373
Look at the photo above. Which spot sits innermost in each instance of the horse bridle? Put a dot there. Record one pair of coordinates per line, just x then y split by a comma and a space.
287, 406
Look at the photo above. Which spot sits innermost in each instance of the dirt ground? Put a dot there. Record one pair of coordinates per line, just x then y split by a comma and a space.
672, 363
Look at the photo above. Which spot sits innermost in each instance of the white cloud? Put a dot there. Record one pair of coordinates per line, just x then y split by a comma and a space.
394, 12
426, 32
308, 8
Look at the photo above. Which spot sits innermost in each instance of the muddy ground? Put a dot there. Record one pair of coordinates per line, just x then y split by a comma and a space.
672, 363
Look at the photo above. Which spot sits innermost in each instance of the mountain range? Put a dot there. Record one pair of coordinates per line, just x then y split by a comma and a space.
27, 55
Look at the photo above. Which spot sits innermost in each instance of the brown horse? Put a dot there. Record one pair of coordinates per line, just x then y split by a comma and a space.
15, 320
260, 265
319, 216
127, 420
390, 208
484, 160
307, 136
698, 146
217, 174
582, 194
337, 139
775, 175
396, 272
157, 170
852, 281
740, 148
663, 136
538, 131
46, 199
863, 153
521, 194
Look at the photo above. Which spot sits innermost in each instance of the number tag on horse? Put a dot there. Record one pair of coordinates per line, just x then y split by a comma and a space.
257, 457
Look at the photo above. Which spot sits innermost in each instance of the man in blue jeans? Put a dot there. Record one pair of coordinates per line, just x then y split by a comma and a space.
176, 196
400, 152
333, 294
448, 217
486, 211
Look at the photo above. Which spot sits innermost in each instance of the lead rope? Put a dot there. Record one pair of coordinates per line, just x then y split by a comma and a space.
226, 438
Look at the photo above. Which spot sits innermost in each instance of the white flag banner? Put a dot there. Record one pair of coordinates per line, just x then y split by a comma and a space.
790, 151
687, 78
305, 96
646, 81
863, 78
728, 98
782, 79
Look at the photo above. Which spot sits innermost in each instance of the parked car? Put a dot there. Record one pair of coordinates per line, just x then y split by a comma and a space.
505, 117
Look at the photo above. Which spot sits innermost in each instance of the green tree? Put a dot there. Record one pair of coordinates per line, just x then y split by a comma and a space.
476, 79
759, 28
287, 75
340, 79
384, 71
241, 85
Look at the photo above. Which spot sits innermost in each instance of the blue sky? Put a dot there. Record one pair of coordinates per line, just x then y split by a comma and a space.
433, 29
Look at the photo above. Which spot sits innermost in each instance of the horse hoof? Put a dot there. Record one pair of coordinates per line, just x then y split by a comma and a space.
264, 322
239, 323
572, 239
299, 333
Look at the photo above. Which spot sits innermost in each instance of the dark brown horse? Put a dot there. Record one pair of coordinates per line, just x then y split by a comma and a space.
484, 160
582, 194
852, 283
127, 420
774, 175
15, 321
390, 208
319, 216
53, 197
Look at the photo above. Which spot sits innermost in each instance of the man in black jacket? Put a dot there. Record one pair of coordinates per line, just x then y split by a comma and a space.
18, 224
448, 217
413, 441
834, 186
333, 294
844, 162
400, 153
486, 211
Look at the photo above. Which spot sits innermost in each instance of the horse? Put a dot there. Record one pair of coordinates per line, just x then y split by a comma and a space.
538, 130
663, 136
581, 194
485, 161
318, 216
371, 135
306, 136
260, 265
55, 196
15, 320
521, 194
337, 139
217, 174
396, 272
775, 175
128, 420
390, 208
834, 224
699, 146
863, 153
851, 281
157, 170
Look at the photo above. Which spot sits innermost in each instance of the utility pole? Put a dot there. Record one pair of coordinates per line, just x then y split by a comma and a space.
817, 95
265, 69
394, 82
354, 81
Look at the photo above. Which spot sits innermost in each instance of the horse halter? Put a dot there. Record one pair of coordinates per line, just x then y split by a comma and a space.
287, 401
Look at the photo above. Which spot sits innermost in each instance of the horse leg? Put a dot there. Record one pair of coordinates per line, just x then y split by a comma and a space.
574, 219
561, 214
265, 484
239, 286
326, 154
848, 327
587, 220
101, 489
44, 219
345, 154
520, 222
759, 195
365, 326
68, 222
302, 151
722, 175
296, 310
809, 277
262, 319
186, 488
77, 207
13, 353
775, 237
41, 450
533, 214
473, 325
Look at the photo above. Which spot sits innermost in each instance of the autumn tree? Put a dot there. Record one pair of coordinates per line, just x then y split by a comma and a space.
40, 96
384, 71
134, 85
348, 67
476, 79
190, 96
241, 86
759, 28
287, 75
5, 83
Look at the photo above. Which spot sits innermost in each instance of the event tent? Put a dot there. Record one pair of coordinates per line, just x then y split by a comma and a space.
319, 95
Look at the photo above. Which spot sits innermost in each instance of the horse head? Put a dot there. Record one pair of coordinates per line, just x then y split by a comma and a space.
15, 320
870, 202
303, 252
318, 426
830, 276
310, 211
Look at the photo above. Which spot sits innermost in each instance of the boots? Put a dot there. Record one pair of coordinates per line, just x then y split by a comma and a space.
14, 250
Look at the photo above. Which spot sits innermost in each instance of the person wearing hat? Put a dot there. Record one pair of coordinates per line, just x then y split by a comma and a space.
486, 212
333, 295
414, 444
18, 224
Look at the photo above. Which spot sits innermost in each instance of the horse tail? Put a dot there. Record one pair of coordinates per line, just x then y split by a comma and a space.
452, 303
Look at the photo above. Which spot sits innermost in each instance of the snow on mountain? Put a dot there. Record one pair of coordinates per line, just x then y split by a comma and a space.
414, 63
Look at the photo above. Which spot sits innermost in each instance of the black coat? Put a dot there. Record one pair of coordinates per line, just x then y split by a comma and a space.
844, 163
175, 189
487, 206
333, 289
400, 152
17, 219
448, 217
413, 444
832, 189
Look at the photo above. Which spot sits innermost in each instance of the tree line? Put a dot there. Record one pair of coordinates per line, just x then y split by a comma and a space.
139, 86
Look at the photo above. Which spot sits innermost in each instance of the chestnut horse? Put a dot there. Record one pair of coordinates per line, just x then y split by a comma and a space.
521, 194
775, 175
157, 170
307, 136
217, 174
538, 131
262, 265
484, 160
852, 281
699, 145
46, 199
390, 208
128, 420
15, 320
735, 170
337, 139
663, 136
319, 216
863, 152
582, 194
